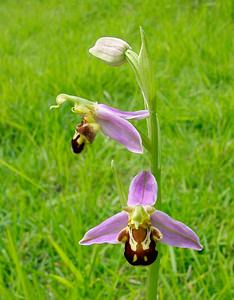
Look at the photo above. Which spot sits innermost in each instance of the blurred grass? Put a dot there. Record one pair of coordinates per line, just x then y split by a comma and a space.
46, 191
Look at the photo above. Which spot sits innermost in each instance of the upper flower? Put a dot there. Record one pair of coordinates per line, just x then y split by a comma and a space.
139, 226
111, 121
111, 50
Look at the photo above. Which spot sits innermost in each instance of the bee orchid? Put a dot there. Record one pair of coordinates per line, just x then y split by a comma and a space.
140, 226
111, 121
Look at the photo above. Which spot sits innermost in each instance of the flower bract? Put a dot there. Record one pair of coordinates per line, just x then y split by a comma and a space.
140, 226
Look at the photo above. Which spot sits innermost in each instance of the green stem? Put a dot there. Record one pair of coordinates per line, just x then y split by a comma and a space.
143, 71
155, 147
153, 275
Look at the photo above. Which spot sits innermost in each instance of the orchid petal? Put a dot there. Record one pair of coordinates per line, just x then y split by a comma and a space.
174, 232
143, 190
119, 129
134, 115
107, 231
112, 42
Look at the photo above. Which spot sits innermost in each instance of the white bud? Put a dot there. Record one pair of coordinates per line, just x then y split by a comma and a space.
111, 50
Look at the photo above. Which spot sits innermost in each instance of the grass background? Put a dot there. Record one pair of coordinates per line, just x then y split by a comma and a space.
50, 197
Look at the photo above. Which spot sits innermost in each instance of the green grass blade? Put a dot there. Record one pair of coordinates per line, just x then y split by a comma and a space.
67, 261
19, 271
21, 174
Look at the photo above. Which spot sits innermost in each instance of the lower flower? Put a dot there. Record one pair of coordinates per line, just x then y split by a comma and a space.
140, 227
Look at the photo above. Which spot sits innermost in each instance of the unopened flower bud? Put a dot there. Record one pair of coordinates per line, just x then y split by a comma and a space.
111, 50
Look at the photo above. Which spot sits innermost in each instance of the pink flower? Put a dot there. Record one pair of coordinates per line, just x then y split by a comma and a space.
111, 121
140, 227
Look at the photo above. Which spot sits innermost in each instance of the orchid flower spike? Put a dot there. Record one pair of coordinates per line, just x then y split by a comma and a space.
111, 121
110, 50
140, 227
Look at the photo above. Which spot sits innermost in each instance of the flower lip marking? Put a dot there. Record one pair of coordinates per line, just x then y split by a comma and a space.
76, 145
85, 133
140, 237
140, 245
